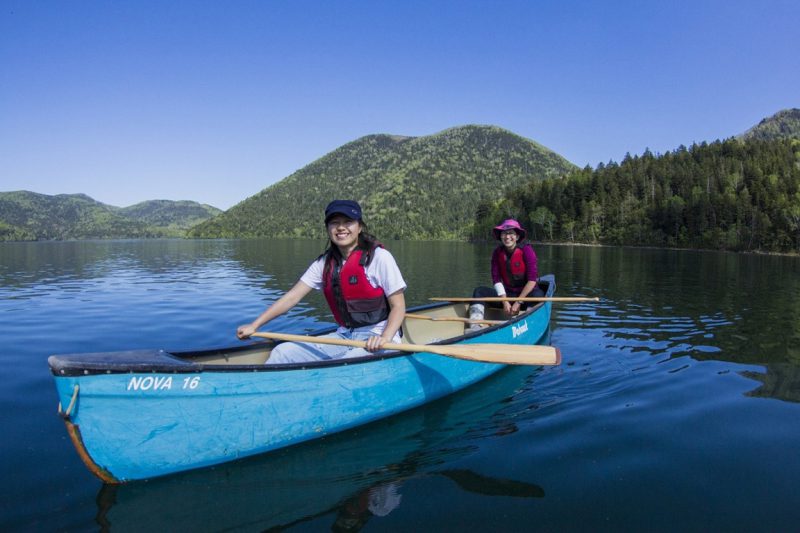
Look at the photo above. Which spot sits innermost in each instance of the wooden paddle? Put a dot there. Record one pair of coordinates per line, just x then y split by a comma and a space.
526, 299
507, 354
454, 319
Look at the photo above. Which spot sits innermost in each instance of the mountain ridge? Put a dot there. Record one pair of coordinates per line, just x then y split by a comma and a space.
785, 123
424, 187
27, 215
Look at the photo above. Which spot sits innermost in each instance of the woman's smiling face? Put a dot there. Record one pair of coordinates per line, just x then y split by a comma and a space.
509, 238
343, 232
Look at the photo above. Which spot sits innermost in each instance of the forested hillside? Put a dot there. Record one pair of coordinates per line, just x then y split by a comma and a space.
410, 188
27, 215
732, 195
168, 214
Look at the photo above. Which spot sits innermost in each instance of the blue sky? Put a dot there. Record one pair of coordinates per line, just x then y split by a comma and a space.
214, 101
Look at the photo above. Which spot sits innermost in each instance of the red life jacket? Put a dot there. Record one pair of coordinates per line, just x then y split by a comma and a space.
513, 270
354, 302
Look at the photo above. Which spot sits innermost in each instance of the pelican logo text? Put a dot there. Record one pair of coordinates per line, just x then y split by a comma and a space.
519, 330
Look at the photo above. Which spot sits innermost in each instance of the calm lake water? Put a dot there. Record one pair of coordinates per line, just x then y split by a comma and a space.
676, 407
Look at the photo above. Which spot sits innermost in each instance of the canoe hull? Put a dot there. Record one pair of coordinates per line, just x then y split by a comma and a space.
142, 424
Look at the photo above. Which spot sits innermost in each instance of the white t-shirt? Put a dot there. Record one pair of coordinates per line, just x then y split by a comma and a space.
381, 272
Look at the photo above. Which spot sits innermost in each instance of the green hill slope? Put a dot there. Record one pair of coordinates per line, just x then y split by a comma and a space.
410, 188
783, 124
27, 215
168, 214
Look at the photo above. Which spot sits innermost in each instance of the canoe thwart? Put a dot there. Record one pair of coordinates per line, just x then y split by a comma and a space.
454, 319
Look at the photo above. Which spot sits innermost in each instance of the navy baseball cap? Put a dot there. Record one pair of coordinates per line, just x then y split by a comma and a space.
348, 208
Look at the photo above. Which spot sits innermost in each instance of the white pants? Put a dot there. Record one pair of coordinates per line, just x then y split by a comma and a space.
302, 352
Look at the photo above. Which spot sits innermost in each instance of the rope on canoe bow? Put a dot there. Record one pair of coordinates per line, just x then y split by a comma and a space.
66, 413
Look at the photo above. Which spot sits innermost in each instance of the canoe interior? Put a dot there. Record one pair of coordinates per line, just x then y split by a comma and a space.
415, 331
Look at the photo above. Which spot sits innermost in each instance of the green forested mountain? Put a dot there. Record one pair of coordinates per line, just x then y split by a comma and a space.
738, 194
783, 124
410, 187
173, 215
733, 194
31, 216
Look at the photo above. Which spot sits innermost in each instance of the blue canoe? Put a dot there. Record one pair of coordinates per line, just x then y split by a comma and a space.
142, 414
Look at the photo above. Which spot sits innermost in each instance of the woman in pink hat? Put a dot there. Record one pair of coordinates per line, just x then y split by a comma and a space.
514, 270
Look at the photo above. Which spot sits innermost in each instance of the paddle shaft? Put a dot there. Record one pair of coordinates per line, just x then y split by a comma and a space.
525, 299
509, 354
454, 319
325, 340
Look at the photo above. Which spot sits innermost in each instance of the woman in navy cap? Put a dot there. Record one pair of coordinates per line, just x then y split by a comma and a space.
361, 283
514, 270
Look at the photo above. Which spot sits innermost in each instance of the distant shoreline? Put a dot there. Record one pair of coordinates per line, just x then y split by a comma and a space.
651, 247
487, 241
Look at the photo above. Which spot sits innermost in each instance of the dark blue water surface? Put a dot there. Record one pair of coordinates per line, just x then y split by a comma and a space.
676, 407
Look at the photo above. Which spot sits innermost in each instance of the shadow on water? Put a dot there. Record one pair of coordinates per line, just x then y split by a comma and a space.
710, 306
343, 480
781, 381
713, 306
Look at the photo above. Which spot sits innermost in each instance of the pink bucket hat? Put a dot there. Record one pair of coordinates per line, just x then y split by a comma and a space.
509, 224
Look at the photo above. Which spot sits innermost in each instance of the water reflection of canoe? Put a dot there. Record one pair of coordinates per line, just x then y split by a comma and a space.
332, 479
142, 414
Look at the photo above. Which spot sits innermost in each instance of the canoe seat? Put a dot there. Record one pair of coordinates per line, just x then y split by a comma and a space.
421, 331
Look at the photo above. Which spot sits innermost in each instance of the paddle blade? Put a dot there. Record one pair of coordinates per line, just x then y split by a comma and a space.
507, 354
